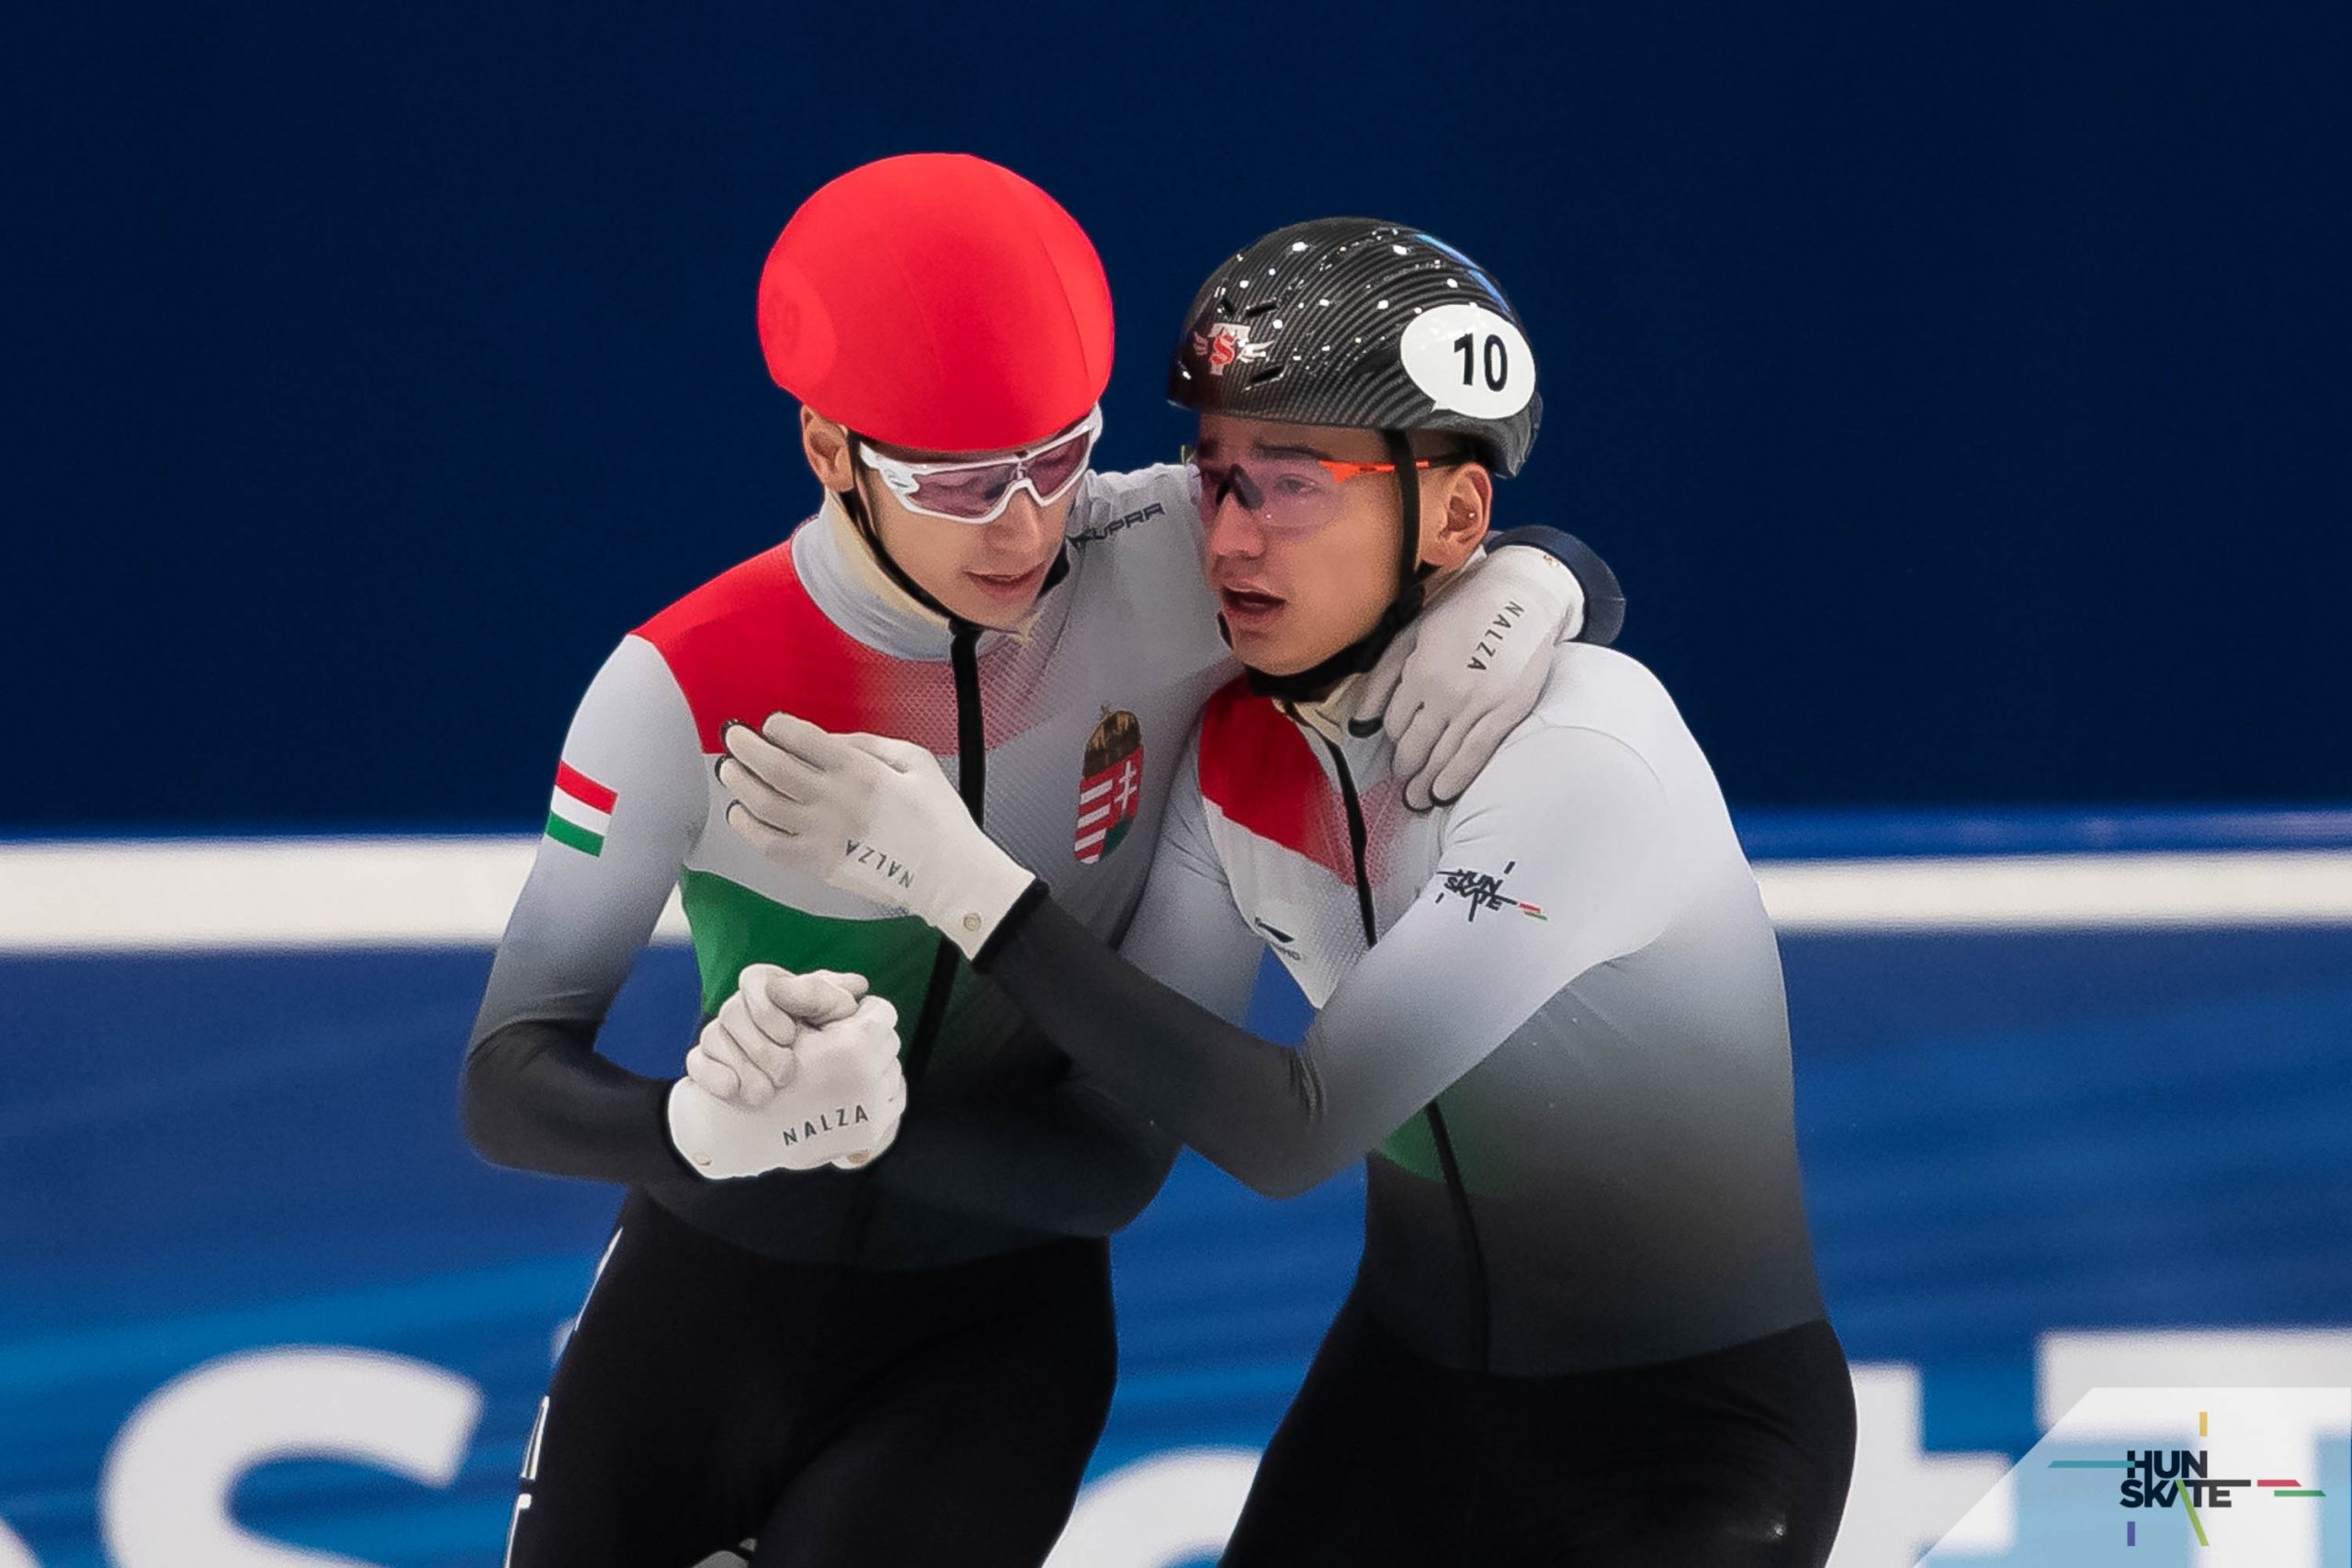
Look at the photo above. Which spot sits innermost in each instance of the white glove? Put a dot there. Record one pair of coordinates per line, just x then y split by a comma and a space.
745, 1053
841, 1105
873, 816
1467, 669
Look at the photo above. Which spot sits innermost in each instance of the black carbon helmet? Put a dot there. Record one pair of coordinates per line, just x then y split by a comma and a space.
1364, 323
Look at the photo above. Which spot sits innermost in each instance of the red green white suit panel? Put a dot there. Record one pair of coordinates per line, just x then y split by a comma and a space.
1101, 683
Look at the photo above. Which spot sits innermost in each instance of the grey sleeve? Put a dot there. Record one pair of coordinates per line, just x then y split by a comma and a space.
534, 1093
1572, 820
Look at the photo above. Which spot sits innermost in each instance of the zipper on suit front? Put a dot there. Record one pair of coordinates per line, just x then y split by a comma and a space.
971, 782
1474, 1253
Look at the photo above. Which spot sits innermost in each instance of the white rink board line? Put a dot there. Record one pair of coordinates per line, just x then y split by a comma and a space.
2063, 891
251, 895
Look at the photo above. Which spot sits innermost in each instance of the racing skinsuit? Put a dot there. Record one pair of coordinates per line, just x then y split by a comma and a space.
788, 1357
1587, 1326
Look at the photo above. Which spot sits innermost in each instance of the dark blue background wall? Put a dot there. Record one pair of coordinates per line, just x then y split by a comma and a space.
1960, 388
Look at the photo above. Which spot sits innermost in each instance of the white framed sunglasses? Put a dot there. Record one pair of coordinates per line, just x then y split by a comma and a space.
964, 491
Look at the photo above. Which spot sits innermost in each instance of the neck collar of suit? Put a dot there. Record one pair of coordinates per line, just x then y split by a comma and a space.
868, 595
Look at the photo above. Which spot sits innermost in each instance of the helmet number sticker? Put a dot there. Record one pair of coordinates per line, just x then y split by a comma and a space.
1494, 356
1469, 359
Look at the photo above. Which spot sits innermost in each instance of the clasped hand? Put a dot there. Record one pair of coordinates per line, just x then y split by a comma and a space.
793, 1072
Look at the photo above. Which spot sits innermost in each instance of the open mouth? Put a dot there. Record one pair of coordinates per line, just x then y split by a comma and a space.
1245, 606
1018, 582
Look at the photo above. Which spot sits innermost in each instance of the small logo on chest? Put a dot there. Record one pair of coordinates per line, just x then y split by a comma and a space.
1284, 942
1110, 788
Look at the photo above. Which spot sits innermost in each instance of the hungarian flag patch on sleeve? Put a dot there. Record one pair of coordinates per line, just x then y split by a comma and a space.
580, 813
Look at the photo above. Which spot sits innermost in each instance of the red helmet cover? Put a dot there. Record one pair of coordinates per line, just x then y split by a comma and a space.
940, 302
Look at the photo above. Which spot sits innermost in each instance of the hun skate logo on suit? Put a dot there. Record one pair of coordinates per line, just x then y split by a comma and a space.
1484, 890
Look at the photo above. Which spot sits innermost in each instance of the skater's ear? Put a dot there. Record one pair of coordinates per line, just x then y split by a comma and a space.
1457, 503
826, 445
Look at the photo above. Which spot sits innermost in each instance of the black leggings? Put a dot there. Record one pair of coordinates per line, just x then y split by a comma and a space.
1735, 1459
709, 1397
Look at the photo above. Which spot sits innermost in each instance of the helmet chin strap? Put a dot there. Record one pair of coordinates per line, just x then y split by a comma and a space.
853, 501
1311, 684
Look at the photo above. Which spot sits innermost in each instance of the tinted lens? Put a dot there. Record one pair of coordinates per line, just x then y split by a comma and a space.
967, 493
971, 494
1294, 496
1054, 468
1210, 482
